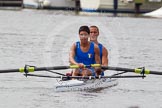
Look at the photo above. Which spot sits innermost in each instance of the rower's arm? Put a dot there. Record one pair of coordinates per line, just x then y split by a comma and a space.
97, 54
104, 57
72, 55
97, 59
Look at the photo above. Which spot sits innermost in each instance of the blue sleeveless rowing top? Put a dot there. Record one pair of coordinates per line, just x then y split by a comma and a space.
87, 58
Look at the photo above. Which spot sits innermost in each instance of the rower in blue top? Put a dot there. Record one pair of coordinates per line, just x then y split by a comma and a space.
86, 58
83, 53
94, 33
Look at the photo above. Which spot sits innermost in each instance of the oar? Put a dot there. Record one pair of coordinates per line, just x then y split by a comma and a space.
32, 69
136, 70
27, 69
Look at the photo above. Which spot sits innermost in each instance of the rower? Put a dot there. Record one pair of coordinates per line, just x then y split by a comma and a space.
84, 53
94, 33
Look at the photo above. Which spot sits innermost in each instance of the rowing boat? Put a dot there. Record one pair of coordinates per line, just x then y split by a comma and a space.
85, 84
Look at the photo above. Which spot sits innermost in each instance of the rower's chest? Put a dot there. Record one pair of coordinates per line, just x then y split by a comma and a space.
85, 49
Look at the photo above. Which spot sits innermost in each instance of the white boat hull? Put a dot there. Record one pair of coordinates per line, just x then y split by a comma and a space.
61, 3
94, 5
88, 85
30, 4
99, 4
157, 13
49, 3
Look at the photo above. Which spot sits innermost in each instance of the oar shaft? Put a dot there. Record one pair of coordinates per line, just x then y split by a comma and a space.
137, 70
32, 68
156, 72
117, 68
9, 70
51, 68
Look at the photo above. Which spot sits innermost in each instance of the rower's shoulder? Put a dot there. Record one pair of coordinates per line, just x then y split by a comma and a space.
95, 45
74, 45
104, 49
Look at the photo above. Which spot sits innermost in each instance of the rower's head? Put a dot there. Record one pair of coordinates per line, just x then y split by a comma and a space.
84, 33
94, 33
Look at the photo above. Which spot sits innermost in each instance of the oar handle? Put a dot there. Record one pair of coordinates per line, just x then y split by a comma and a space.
85, 66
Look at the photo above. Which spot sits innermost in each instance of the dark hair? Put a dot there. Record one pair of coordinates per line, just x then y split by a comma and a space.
84, 28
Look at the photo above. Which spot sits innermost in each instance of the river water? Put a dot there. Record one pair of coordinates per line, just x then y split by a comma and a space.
43, 38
